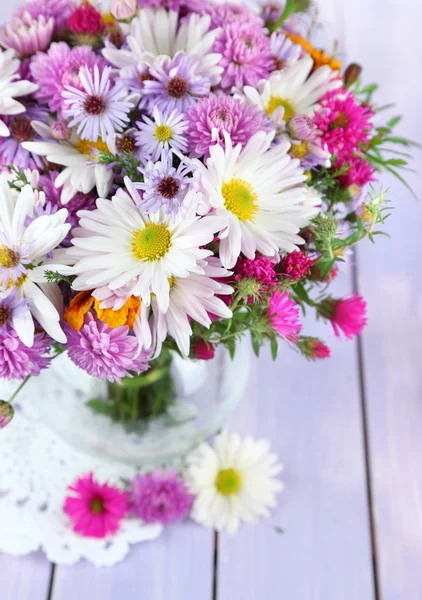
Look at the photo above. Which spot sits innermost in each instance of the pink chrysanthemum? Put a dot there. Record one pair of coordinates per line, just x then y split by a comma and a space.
17, 361
160, 497
202, 350
296, 265
246, 55
344, 124
58, 67
260, 268
359, 173
348, 316
213, 115
183, 7
96, 510
60, 10
104, 352
27, 35
230, 12
283, 316
85, 18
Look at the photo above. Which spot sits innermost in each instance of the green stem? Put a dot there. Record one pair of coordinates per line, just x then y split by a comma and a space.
288, 10
16, 392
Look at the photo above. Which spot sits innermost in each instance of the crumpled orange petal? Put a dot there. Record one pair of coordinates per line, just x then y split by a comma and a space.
126, 315
74, 314
320, 59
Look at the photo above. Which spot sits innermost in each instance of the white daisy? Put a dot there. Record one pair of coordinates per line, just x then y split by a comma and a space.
155, 32
164, 132
26, 240
81, 172
98, 111
11, 87
258, 194
293, 90
119, 246
233, 481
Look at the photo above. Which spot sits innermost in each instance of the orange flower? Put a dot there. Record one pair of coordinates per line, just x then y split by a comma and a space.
78, 307
320, 59
124, 316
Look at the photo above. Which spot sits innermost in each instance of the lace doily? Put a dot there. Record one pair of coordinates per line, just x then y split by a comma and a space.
36, 468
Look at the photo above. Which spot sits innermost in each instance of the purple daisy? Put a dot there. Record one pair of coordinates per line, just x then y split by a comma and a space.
60, 10
283, 50
104, 352
11, 307
99, 110
17, 361
160, 497
208, 119
21, 130
58, 67
164, 185
177, 83
27, 35
230, 12
246, 55
183, 7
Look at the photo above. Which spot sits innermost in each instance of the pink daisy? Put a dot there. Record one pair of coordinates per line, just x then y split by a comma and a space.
58, 9
283, 316
27, 35
160, 497
348, 316
359, 173
95, 509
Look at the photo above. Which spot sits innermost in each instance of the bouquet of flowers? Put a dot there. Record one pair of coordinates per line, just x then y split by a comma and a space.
176, 174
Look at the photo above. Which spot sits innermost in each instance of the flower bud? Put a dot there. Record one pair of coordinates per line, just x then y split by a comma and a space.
123, 10
203, 350
352, 74
60, 131
300, 127
6, 413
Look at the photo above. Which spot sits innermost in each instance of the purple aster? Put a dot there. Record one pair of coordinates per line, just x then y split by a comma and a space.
177, 83
283, 50
59, 67
17, 361
60, 10
27, 35
104, 352
208, 119
10, 307
307, 142
99, 110
11, 150
160, 497
183, 7
246, 55
223, 14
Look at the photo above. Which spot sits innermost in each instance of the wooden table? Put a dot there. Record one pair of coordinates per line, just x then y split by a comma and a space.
348, 430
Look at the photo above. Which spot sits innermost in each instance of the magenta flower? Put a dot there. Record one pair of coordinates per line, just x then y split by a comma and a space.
27, 35
85, 18
6, 413
348, 316
360, 172
160, 497
104, 352
296, 265
60, 10
283, 316
208, 119
246, 55
345, 124
223, 14
17, 361
318, 350
95, 509
260, 268
202, 350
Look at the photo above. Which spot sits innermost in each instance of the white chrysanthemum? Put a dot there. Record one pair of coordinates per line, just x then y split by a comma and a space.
233, 481
11, 87
117, 246
293, 90
164, 132
28, 237
257, 192
155, 32
81, 172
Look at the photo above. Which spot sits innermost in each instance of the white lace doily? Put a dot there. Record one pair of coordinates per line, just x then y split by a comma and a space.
36, 468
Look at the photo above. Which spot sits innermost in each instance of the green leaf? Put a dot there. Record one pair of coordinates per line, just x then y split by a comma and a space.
394, 121
255, 344
100, 407
274, 348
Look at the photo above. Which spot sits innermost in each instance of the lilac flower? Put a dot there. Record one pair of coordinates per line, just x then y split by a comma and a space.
160, 497
246, 55
17, 361
60, 10
223, 14
177, 83
164, 132
21, 130
59, 67
164, 185
284, 50
208, 119
307, 142
27, 35
98, 111
104, 352
11, 307
182, 6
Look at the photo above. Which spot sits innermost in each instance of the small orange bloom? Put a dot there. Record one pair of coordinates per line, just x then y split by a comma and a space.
78, 307
320, 59
124, 316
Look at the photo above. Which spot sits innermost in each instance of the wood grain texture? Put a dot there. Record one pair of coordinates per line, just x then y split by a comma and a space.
389, 43
25, 578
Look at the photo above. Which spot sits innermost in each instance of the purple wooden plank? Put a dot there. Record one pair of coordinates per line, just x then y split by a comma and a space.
25, 578
389, 43
177, 565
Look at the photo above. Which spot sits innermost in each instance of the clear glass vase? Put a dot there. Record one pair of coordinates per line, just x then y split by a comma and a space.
136, 423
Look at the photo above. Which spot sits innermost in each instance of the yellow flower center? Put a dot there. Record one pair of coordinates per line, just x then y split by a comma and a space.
240, 199
87, 147
97, 506
171, 281
228, 482
275, 102
163, 133
300, 150
151, 243
8, 258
